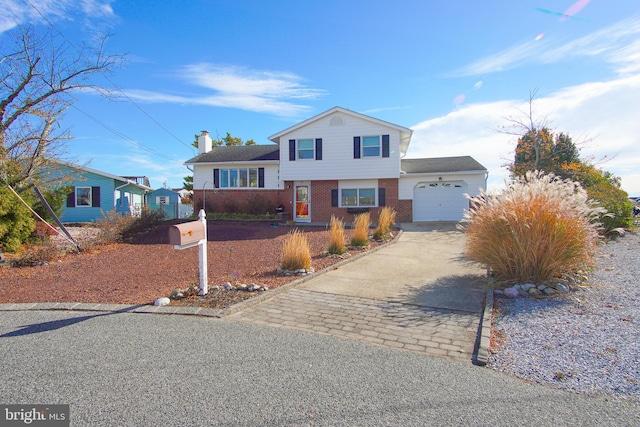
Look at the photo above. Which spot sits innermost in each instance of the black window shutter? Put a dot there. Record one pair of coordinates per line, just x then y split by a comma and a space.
385, 145
318, 148
71, 198
216, 178
356, 147
292, 149
261, 177
334, 198
382, 197
95, 197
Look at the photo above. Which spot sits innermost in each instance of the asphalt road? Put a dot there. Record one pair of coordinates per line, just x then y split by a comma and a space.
137, 369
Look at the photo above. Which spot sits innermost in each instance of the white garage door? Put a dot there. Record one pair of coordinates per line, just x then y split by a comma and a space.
439, 201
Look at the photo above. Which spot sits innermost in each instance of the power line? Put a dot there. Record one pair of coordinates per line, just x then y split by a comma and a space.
115, 86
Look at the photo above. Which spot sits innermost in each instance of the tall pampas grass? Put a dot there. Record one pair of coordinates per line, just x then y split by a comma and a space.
538, 229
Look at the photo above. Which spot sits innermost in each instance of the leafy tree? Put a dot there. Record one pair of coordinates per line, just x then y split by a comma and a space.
228, 140
539, 149
543, 151
188, 183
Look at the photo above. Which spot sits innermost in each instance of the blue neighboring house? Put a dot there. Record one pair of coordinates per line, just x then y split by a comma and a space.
166, 200
94, 193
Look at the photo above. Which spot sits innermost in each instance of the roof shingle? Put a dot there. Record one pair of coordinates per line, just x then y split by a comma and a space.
441, 165
238, 153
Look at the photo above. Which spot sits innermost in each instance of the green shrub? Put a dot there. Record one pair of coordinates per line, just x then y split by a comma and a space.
616, 202
538, 229
361, 224
336, 237
296, 254
16, 221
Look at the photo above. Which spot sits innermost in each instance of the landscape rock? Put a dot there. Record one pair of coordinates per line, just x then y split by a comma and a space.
561, 287
162, 301
512, 292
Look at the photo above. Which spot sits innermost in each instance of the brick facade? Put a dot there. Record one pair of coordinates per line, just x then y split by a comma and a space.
321, 209
241, 201
404, 211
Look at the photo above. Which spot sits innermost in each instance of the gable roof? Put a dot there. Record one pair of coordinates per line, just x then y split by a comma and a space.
238, 153
122, 179
405, 133
441, 165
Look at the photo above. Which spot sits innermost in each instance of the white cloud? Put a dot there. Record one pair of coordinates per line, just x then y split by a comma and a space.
40, 11
618, 44
603, 111
237, 87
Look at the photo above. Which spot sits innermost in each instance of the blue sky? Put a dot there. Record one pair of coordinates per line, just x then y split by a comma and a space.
454, 72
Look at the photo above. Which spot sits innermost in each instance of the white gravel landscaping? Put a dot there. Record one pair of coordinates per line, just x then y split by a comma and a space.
587, 341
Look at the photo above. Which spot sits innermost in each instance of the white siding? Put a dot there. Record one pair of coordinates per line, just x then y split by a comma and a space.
407, 183
337, 151
203, 175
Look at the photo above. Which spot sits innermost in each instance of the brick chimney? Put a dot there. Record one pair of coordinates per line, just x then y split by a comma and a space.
204, 142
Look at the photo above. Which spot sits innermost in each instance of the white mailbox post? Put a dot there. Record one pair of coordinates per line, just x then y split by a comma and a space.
188, 235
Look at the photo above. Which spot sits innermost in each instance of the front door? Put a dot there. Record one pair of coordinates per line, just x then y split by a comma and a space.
302, 202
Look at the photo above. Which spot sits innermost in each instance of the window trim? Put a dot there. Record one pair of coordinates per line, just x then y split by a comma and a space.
383, 146
311, 150
358, 197
364, 147
90, 198
253, 177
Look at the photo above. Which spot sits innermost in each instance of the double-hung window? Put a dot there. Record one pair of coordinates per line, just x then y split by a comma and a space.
305, 149
371, 146
360, 197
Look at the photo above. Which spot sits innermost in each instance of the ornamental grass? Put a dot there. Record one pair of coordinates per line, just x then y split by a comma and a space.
360, 236
296, 254
540, 228
336, 237
386, 219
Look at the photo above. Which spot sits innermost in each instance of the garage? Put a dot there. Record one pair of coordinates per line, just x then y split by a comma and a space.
439, 201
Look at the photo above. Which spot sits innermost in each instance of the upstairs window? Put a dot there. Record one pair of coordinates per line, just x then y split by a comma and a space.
371, 146
305, 149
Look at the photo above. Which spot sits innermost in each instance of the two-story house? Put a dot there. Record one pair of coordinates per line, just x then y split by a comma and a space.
338, 162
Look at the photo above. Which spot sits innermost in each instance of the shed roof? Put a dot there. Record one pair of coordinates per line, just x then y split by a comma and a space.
441, 165
238, 153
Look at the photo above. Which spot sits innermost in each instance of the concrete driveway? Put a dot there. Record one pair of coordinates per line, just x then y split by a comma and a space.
425, 267
418, 294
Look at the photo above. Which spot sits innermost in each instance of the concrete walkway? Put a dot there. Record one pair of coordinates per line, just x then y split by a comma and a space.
418, 294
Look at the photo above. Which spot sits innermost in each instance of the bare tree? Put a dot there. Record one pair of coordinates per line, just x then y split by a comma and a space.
39, 73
